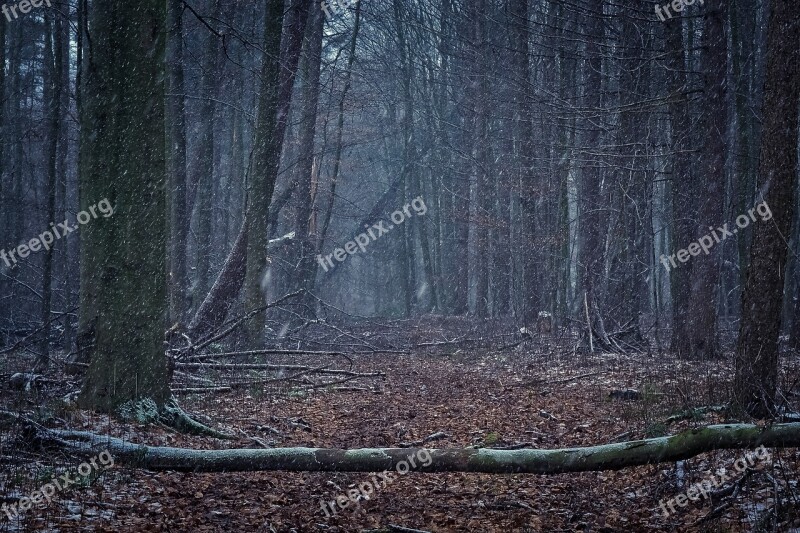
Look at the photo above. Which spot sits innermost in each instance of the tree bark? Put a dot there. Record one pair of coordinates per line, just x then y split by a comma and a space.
125, 162
682, 184
756, 377
176, 164
304, 262
201, 195
53, 58
702, 316
591, 252
485, 460
277, 79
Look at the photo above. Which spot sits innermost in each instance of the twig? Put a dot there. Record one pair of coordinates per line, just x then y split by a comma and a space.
439, 435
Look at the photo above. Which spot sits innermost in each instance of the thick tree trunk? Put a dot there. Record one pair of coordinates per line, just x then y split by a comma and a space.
485, 460
757, 353
125, 163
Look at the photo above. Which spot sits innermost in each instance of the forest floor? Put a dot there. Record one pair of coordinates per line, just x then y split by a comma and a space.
542, 398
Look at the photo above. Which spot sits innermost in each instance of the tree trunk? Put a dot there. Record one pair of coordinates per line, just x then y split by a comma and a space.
304, 261
485, 460
591, 254
125, 253
176, 164
238, 269
756, 378
5, 197
277, 78
523, 134
327, 212
203, 177
479, 91
702, 315
53, 58
682, 184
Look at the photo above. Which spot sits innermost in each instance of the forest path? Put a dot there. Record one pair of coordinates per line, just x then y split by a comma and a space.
502, 399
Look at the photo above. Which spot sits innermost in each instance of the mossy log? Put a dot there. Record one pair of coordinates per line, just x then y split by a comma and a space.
592, 458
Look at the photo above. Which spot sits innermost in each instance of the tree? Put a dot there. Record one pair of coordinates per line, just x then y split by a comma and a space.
52, 96
176, 163
682, 204
124, 255
702, 317
756, 378
591, 251
277, 79
303, 260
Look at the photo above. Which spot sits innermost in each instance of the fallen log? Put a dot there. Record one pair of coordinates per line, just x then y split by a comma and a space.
592, 458
259, 366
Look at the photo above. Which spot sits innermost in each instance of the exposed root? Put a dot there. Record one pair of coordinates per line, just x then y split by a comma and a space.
171, 415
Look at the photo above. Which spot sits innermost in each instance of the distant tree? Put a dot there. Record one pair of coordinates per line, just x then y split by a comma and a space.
710, 192
277, 79
176, 163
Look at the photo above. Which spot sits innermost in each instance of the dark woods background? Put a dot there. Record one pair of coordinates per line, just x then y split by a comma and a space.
560, 147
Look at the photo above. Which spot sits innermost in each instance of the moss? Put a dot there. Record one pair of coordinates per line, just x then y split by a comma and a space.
144, 411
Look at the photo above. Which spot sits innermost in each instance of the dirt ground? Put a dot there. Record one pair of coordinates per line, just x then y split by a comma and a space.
497, 398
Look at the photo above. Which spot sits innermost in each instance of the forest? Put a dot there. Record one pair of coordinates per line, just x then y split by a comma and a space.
408, 266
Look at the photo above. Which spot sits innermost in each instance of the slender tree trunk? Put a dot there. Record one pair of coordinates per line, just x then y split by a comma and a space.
65, 246
304, 261
482, 144
327, 211
703, 310
525, 149
277, 78
203, 171
4, 192
681, 185
176, 164
85, 337
756, 379
591, 251
52, 95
